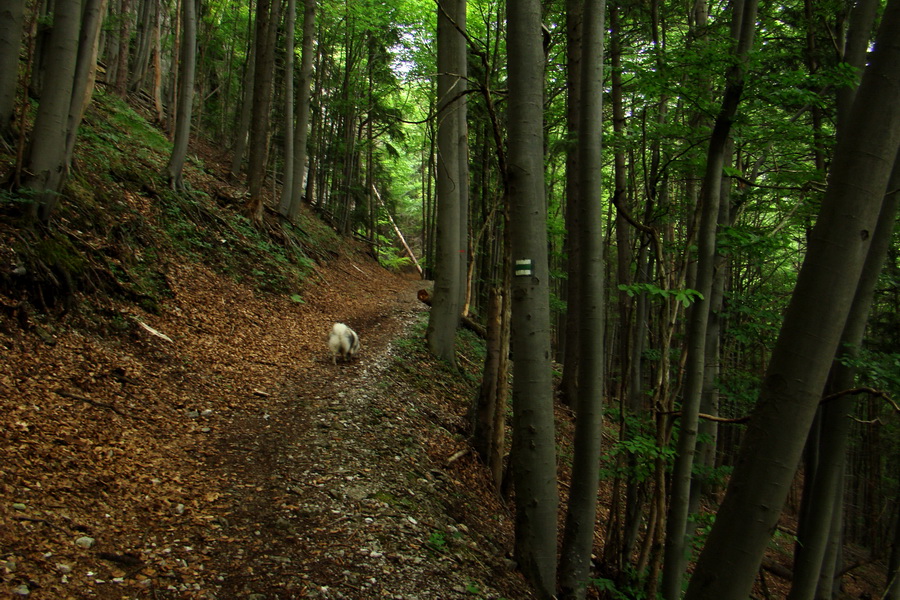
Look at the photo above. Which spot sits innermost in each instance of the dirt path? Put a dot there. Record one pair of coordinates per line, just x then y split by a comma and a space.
231, 459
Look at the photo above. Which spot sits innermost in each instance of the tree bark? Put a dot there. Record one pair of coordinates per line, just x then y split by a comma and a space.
267, 15
811, 330
85, 70
533, 453
823, 484
301, 133
578, 534
243, 124
185, 95
569, 382
287, 176
444, 317
46, 163
12, 26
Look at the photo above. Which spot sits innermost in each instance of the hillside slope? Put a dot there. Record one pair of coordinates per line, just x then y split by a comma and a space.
171, 424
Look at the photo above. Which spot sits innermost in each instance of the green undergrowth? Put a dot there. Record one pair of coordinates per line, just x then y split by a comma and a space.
429, 374
119, 226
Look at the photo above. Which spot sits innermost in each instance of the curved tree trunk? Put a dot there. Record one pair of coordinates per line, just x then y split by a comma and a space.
812, 329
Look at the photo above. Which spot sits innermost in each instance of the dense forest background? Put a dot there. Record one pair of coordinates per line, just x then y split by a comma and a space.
721, 272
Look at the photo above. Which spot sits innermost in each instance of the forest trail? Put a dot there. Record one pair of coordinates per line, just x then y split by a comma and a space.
213, 451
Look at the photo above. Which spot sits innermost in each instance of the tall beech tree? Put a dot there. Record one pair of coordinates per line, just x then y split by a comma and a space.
838, 246
580, 522
445, 312
533, 445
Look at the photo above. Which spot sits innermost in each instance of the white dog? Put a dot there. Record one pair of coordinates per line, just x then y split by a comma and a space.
342, 341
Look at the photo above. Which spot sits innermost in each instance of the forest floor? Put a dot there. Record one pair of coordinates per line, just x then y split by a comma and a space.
232, 459
172, 425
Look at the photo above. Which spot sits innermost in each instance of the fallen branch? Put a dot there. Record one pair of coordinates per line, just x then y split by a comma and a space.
468, 323
81, 398
458, 455
677, 413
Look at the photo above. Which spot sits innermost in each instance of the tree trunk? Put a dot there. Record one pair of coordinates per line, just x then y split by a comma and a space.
243, 124
148, 22
46, 161
569, 382
301, 133
533, 453
578, 534
85, 69
811, 330
121, 80
823, 484
12, 25
445, 312
267, 14
463, 159
828, 480
677, 532
287, 176
185, 95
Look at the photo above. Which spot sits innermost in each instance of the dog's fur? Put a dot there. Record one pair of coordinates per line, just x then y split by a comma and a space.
343, 342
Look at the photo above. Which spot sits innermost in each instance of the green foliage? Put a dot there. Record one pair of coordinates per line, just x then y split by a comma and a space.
685, 296
609, 589
389, 256
634, 457
880, 370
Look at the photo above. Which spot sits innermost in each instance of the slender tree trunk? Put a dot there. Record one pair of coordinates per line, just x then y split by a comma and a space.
46, 161
121, 80
185, 95
677, 526
267, 16
243, 124
12, 26
533, 453
445, 310
287, 177
463, 159
578, 534
811, 331
85, 70
569, 382
301, 132
147, 23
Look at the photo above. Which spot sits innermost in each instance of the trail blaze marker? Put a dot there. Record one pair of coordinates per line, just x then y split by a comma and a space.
524, 267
